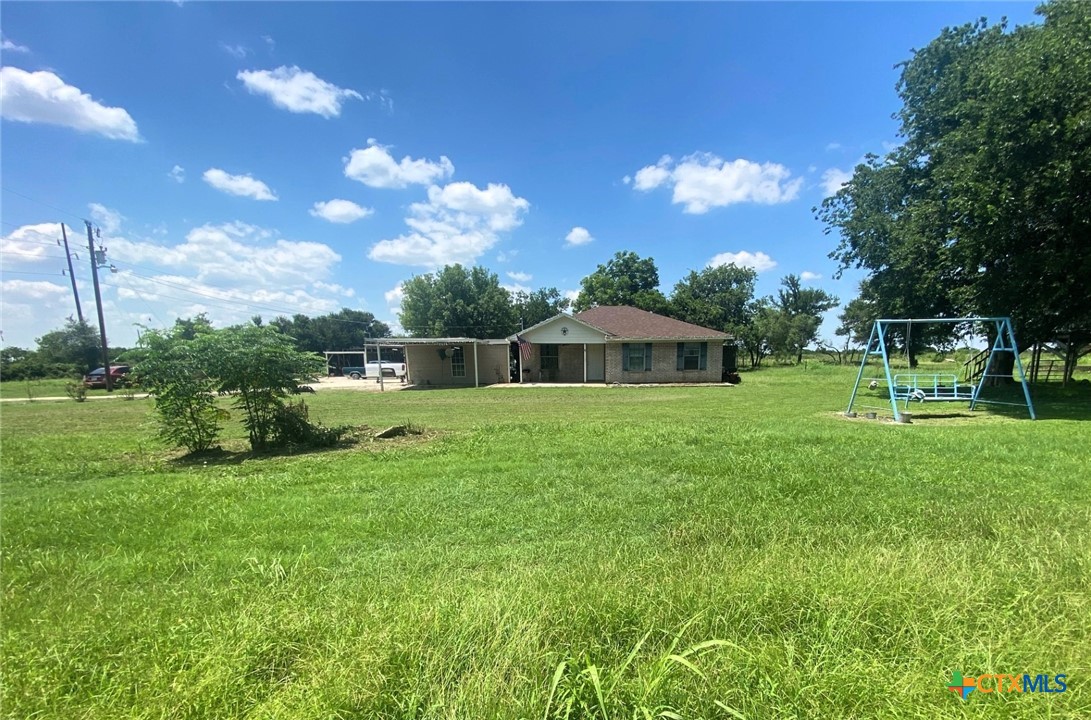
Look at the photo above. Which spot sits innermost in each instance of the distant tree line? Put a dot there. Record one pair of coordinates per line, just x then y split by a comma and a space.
470, 302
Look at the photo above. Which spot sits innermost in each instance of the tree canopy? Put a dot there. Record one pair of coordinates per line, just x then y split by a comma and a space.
714, 297
345, 329
627, 279
457, 302
985, 209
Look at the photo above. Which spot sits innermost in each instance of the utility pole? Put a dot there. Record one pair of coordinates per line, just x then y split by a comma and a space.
72, 275
98, 303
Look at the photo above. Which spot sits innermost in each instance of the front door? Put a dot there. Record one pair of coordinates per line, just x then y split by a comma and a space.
596, 363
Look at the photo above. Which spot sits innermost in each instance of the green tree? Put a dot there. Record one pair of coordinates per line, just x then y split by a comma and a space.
259, 367
753, 334
627, 279
715, 297
457, 302
190, 328
174, 369
534, 307
858, 317
798, 316
345, 329
983, 210
76, 345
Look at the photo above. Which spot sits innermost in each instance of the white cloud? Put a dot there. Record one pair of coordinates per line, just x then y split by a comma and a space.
627, 179
702, 181
109, 221
33, 290
653, 176
571, 294
515, 288
340, 211
241, 185
833, 179
807, 276
13, 47
520, 276
334, 288
833, 146
458, 224
236, 51
375, 167
577, 236
177, 173
33, 244
42, 97
232, 270
297, 91
269, 42
394, 296
506, 255
759, 261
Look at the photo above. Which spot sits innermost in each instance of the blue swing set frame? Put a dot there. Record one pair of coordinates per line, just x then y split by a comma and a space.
939, 387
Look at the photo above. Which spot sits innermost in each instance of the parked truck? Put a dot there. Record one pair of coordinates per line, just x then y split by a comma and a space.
372, 369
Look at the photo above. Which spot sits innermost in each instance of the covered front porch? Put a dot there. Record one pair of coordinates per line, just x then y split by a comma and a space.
563, 363
561, 349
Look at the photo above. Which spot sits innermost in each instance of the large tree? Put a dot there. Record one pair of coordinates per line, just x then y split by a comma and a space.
715, 297
627, 279
77, 344
986, 207
457, 302
534, 307
797, 317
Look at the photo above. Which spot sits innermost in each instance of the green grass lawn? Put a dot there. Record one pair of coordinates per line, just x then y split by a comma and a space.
537, 551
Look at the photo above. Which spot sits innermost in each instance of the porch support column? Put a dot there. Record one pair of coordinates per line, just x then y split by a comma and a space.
585, 363
476, 383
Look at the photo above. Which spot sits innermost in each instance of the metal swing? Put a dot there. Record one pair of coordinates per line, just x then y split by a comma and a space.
937, 387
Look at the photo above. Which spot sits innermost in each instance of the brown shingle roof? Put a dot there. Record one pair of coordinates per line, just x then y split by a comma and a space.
629, 322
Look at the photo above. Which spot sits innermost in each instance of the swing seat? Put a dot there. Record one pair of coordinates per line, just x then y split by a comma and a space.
931, 387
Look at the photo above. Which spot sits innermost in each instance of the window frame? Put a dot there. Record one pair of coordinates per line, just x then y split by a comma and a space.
692, 352
552, 353
458, 363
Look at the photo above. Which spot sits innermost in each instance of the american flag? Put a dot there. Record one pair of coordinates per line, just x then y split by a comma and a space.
526, 350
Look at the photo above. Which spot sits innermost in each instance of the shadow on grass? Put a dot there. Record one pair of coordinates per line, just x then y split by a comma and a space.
226, 456
1052, 401
221, 456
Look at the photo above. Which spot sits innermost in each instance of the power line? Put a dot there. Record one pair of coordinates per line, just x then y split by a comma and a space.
23, 272
30, 255
41, 202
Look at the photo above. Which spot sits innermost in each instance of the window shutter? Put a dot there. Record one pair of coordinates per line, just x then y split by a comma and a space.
704, 356
647, 356
681, 356
625, 356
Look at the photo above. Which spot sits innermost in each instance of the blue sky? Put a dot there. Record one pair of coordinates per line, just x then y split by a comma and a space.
270, 159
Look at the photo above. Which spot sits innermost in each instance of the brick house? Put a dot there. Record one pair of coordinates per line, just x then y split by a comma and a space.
609, 344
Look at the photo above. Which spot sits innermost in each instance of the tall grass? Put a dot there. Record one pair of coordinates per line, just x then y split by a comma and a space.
589, 553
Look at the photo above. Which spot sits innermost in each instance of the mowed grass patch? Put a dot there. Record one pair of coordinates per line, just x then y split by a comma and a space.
847, 566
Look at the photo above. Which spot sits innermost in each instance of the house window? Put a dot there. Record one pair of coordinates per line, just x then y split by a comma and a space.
458, 363
693, 356
636, 357
551, 358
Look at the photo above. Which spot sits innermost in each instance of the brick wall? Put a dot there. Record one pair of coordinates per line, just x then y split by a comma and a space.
664, 366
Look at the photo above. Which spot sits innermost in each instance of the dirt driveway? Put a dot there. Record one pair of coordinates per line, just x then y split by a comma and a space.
362, 385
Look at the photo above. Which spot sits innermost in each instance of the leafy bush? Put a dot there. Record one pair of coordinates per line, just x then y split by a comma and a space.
256, 366
76, 390
292, 428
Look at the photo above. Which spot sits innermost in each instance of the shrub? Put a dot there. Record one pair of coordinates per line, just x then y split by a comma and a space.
76, 390
292, 428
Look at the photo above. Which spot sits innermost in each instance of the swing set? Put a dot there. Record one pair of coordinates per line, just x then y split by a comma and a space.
936, 387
